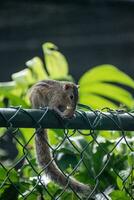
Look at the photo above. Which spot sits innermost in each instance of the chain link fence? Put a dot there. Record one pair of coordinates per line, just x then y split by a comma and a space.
95, 147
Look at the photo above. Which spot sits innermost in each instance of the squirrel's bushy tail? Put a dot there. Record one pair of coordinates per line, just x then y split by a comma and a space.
46, 161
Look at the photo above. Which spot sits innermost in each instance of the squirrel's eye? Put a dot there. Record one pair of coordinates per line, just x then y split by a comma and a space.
71, 96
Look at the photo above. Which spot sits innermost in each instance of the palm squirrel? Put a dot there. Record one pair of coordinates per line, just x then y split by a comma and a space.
62, 97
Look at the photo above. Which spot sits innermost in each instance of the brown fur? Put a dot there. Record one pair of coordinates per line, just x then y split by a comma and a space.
62, 97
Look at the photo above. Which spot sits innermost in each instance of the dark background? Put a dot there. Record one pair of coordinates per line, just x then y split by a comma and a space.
88, 32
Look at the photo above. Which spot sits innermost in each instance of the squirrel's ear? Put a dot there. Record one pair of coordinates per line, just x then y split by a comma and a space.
78, 86
66, 86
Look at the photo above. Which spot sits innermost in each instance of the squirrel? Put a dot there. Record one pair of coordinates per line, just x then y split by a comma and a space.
62, 97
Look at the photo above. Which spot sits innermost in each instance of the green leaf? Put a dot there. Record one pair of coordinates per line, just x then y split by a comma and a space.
10, 88
56, 63
111, 91
15, 100
13, 175
123, 176
24, 185
54, 136
13, 92
7, 86
98, 91
131, 158
1, 102
119, 183
23, 78
29, 195
96, 102
119, 195
37, 67
3, 173
110, 135
107, 73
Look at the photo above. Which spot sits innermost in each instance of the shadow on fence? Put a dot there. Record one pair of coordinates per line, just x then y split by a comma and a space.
95, 147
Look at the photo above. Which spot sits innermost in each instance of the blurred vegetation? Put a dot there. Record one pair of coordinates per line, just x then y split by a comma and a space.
102, 86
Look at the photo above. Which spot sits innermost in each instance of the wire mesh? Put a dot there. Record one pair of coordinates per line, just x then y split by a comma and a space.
102, 159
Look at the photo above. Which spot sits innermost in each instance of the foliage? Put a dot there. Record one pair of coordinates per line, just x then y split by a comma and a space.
102, 86
56, 68
99, 88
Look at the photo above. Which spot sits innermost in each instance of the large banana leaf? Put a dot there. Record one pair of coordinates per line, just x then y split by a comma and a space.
37, 67
56, 62
99, 87
106, 73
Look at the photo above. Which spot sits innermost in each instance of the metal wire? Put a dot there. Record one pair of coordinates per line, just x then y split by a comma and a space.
86, 148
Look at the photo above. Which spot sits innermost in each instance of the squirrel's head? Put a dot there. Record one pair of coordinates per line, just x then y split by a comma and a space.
69, 98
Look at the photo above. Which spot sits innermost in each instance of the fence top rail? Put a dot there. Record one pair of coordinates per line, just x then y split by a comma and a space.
45, 118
